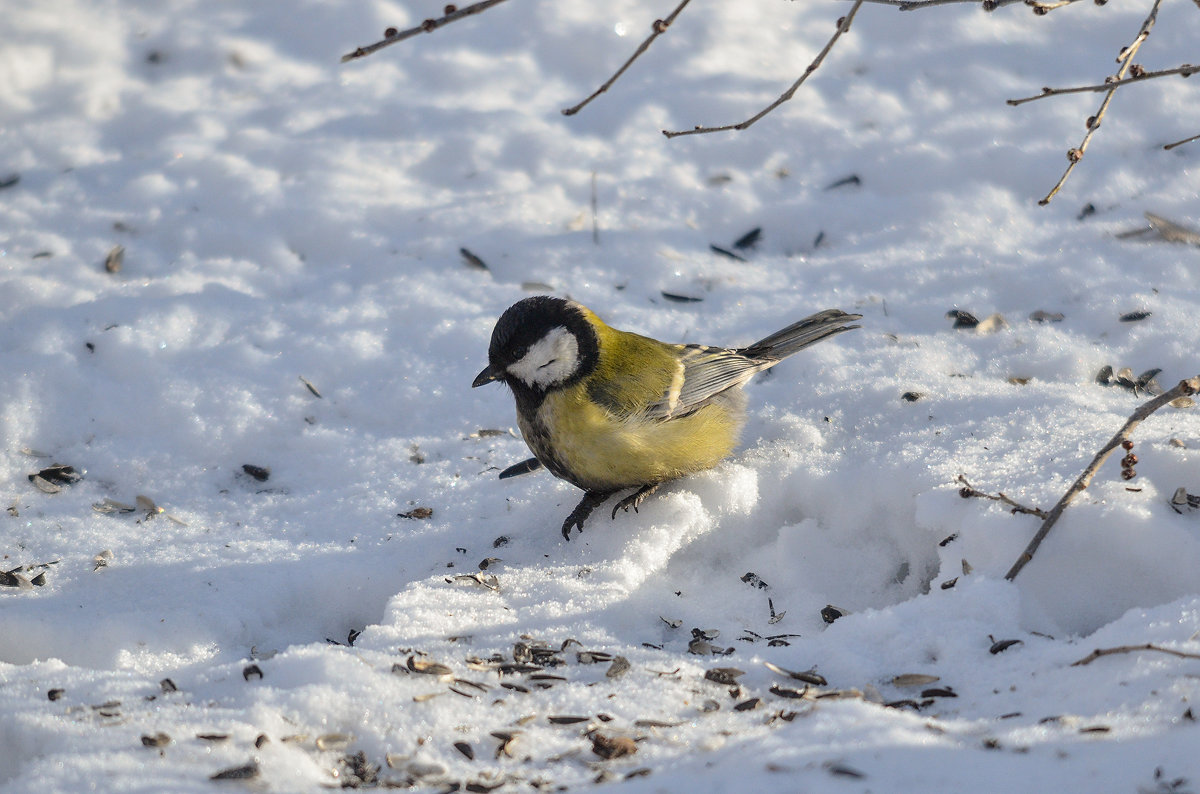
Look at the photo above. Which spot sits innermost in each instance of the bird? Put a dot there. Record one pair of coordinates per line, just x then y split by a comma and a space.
609, 410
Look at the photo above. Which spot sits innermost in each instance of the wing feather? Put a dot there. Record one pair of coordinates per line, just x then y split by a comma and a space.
706, 372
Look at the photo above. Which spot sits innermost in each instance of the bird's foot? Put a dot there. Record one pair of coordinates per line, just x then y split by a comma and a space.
635, 499
590, 501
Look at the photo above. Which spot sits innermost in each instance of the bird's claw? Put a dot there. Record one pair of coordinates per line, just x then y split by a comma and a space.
590, 501
634, 499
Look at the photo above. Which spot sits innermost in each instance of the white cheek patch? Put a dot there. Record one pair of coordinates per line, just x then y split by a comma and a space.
552, 359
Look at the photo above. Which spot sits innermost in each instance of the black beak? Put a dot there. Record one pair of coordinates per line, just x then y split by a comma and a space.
487, 376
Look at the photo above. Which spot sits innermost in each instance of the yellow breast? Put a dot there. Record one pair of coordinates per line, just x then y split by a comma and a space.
597, 450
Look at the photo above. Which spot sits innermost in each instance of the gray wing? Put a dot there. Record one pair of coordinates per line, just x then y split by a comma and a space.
703, 373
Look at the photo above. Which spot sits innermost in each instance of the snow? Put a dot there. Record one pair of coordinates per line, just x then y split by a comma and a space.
287, 219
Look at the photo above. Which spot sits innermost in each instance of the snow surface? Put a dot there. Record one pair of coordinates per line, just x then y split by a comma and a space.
284, 217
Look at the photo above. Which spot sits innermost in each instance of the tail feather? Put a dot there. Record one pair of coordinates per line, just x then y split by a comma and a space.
800, 335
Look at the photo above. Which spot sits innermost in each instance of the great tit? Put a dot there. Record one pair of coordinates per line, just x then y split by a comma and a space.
609, 410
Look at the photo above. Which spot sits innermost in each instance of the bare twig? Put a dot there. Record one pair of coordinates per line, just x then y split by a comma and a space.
1170, 146
913, 5
428, 26
1044, 8
1185, 70
658, 28
1125, 58
1184, 388
1100, 652
968, 491
843, 26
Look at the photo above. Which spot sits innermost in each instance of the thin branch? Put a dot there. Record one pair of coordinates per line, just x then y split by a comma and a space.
914, 5
659, 27
1184, 388
968, 491
1185, 70
428, 26
1100, 652
843, 26
1170, 146
1045, 8
1125, 58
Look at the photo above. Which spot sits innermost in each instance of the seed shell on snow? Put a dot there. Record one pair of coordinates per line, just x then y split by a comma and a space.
507, 740
830, 613
333, 741
159, 739
619, 667
962, 319
260, 473
592, 657
115, 259
807, 676
724, 675
914, 679
566, 719
610, 747
487, 581
113, 506
426, 667
1002, 645
787, 691
243, 772
471, 260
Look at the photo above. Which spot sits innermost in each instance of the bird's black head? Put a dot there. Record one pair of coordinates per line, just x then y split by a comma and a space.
539, 344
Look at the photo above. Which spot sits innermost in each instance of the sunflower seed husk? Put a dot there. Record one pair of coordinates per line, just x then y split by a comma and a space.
609, 747
619, 667
426, 667
724, 675
914, 679
244, 772
334, 741
114, 259
807, 676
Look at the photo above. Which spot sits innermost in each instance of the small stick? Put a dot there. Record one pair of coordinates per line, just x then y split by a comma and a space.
843, 26
969, 490
428, 26
1125, 58
1099, 652
913, 5
1185, 70
1183, 389
1044, 8
1170, 146
659, 27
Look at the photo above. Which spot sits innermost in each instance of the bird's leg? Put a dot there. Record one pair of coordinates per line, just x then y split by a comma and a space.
590, 501
635, 499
